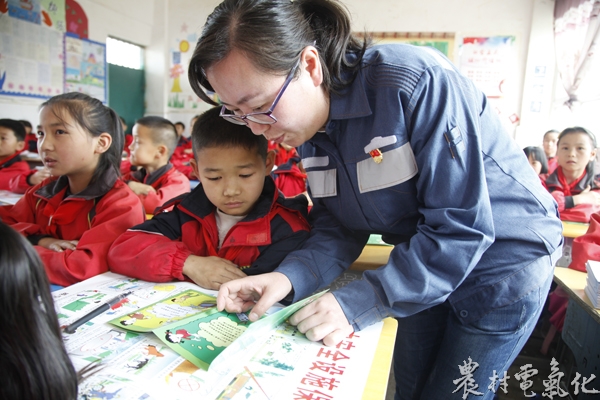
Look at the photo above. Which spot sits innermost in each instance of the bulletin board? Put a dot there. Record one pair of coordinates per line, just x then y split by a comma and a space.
31, 58
442, 41
85, 67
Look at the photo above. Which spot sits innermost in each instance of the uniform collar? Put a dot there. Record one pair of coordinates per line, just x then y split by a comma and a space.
198, 204
141, 174
10, 160
95, 189
352, 101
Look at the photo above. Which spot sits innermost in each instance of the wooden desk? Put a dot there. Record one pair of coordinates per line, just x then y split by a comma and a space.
372, 257
574, 229
379, 374
582, 326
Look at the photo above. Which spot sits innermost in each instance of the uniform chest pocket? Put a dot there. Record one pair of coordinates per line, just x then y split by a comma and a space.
322, 182
397, 165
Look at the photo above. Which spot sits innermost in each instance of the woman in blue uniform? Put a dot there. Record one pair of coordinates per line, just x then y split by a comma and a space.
396, 142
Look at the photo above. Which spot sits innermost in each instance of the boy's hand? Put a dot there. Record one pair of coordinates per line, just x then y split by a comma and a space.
140, 188
211, 272
39, 176
58, 245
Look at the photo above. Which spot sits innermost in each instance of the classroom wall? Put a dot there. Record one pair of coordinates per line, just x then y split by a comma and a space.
129, 20
462, 17
156, 24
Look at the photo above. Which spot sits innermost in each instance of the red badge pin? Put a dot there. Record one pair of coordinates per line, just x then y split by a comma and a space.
376, 155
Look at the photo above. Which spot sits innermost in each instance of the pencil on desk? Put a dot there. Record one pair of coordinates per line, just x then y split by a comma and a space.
94, 313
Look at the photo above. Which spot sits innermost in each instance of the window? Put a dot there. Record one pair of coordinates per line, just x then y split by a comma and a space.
124, 54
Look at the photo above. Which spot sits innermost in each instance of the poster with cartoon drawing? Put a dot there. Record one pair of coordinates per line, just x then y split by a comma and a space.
174, 308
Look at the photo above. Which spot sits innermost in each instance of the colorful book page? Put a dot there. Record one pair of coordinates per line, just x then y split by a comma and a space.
164, 312
200, 339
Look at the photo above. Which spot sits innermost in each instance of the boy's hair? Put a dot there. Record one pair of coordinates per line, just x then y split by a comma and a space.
211, 130
95, 118
551, 131
537, 153
162, 131
26, 123
34, 362
15, 126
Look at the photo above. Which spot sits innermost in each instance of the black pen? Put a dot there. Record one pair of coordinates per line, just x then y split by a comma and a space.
94, 313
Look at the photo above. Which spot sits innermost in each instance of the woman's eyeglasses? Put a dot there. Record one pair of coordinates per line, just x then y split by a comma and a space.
264, 118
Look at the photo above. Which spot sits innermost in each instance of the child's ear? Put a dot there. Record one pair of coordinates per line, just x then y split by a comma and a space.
194, 166
162, 150
103, 143
269, 162
20, 145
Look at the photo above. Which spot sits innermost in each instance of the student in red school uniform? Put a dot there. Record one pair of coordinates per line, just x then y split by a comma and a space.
30, 136
73, 217
550, 146
156, 180
15, 174
572, 183
183, 152
235, 223
538, 161
12, 142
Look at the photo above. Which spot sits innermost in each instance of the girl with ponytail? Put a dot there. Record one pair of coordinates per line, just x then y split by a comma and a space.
73, 217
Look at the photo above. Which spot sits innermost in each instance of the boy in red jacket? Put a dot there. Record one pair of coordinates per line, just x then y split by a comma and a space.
235, 223
156, 181
12, 142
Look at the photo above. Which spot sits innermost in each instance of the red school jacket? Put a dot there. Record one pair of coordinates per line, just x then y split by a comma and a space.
95, 217
563, 192
10, 168
167, 181
156, 250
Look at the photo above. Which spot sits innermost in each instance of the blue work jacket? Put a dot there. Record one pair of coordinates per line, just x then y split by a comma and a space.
453, 193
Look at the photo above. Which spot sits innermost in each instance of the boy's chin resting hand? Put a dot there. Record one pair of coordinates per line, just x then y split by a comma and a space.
140, 188
58, 245
39, 176
211, 272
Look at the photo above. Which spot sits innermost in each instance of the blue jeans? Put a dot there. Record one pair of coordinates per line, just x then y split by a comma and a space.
431, 345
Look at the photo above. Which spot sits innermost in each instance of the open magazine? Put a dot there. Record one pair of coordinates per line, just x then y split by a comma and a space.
190, 324
277, 363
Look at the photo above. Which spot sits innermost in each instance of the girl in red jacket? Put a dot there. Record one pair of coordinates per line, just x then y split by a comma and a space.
73, 217
572, 183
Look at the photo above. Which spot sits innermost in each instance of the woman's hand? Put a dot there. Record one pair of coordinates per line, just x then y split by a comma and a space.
258, 292
324, 320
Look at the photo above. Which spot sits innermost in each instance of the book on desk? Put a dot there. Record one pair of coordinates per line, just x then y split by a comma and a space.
138, 365
592, 285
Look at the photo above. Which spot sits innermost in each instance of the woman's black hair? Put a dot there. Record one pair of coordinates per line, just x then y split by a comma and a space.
33, 359
578, 129
537, 153
95, 118
273, 33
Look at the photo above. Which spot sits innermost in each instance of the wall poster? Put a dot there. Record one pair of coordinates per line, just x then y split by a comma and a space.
31, 58
85, 67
